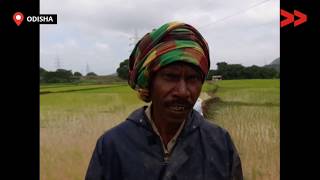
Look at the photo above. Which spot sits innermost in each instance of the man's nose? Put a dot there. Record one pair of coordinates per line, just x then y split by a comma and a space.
182, 89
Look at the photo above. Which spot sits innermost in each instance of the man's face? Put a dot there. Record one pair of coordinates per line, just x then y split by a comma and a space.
174, 90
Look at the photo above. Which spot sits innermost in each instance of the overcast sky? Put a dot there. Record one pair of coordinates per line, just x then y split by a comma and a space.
98, 33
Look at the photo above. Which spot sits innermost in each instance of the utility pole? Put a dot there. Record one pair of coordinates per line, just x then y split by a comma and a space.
133, 40
87, 68
57, 62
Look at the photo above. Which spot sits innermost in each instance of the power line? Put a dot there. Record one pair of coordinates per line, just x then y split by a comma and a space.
235, 14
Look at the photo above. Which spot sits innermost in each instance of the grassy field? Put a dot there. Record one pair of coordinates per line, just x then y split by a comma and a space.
249, 110
71, 122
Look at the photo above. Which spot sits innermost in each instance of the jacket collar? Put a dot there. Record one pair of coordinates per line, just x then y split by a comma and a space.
193, 122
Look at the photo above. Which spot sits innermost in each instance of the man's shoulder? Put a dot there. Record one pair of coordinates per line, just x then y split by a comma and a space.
206, 125
211, 125
125, 128
211, 128
217, 137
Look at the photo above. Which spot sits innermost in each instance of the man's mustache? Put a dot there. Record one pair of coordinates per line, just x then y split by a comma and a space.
179, 102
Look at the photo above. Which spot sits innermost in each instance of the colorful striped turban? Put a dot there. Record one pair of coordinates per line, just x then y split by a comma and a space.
170, 43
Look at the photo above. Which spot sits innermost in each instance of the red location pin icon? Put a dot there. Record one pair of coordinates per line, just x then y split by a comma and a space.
18, 18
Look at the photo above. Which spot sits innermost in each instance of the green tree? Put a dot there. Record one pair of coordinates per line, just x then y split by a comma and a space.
230, 71
91, 74
42, 73
123, 69
210, 74
77, 74
268, 73
237, 71
58, 76
252, 72
76, 77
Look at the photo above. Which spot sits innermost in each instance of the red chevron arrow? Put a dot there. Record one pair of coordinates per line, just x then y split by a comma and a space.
302, 18
289, 18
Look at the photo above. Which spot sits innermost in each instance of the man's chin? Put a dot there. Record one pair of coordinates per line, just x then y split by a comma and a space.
177, 115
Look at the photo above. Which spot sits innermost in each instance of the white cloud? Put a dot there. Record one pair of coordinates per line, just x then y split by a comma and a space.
97, 32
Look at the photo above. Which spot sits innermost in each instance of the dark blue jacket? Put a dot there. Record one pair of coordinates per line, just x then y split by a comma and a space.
132, 151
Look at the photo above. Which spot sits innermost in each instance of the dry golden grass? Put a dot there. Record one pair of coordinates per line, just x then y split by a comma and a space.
252, 117
70, 130
65, 148
255, 131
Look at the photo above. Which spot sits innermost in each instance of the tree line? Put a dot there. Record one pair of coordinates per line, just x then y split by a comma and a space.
61, 76
237, 71
227, 71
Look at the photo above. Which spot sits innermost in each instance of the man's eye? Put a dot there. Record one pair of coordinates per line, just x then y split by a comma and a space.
194, 78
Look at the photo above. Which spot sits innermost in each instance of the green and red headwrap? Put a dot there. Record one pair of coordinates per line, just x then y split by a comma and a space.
170, 43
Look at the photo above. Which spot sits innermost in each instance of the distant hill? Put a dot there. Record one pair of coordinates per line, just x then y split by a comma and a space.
276, 61
275, 64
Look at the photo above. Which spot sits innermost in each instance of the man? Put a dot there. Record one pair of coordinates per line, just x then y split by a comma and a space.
167, 140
